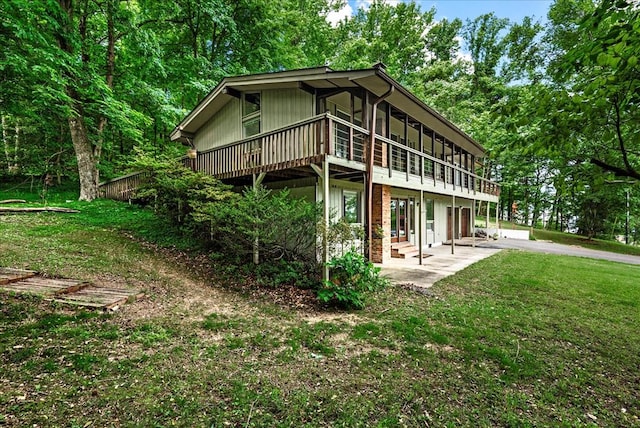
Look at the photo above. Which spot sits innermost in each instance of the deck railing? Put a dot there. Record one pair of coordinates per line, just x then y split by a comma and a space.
307, 142
296, 145
121, 188
406, 160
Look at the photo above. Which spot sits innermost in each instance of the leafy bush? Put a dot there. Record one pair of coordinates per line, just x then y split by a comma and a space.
177, 192
281, 229
343, 236
351, 277
297, 273
278, 226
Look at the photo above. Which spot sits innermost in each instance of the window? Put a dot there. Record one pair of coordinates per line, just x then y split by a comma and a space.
429, 213
351, 206
250, 114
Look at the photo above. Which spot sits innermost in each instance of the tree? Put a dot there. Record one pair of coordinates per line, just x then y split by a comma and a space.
486, 45
391, 34
604, 67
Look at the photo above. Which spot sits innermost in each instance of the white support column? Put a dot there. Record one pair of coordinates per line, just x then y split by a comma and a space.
256, 244
325, 215
473, 224
497, 219
453, 223
420, 225
486, 219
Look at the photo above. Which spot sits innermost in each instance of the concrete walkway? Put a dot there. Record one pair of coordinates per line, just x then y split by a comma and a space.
440, 263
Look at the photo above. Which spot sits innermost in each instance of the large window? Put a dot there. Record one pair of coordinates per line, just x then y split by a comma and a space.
351, 212
250, 114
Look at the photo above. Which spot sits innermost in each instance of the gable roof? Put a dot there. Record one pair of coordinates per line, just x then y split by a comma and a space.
374, 79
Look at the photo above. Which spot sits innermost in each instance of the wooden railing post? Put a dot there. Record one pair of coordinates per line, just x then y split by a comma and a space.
330, 138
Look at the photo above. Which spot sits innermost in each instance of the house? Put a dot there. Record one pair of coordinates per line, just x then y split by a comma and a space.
356, 140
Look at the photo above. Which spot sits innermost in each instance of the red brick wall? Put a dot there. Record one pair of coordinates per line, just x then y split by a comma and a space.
381, 217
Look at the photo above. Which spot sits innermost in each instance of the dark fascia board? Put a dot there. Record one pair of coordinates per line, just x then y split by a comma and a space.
182, 136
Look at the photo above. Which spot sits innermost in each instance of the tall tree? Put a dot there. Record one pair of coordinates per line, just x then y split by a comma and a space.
392, 34
486, 45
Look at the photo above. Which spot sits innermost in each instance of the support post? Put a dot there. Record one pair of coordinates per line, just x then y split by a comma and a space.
256, 244
486, 218
420, 226
325, 219
473, 224
497, 219
453, 223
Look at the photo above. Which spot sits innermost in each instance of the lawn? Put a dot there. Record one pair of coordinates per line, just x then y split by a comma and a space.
518, 339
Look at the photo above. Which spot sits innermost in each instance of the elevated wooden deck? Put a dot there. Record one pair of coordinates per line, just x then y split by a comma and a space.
312, 141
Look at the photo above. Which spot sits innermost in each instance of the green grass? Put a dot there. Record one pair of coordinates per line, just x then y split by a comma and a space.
596, 244
519, 339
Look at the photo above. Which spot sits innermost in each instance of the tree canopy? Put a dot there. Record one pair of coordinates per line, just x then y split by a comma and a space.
86, 82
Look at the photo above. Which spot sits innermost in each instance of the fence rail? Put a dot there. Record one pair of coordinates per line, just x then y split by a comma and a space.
121, 188
309, 141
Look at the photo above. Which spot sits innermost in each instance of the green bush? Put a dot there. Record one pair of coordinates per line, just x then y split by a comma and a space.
351, 278
178, 194
297, 273
278, 226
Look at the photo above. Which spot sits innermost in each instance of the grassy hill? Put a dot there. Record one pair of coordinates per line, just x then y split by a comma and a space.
517, 339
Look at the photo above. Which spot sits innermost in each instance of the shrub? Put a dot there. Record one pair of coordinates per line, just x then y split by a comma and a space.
278, 226
351, 277
177, 193
343, 236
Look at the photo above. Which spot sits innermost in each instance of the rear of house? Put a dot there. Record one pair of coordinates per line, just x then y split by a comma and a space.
356, 140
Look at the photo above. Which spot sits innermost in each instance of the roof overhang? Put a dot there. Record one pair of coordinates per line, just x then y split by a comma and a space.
374, 80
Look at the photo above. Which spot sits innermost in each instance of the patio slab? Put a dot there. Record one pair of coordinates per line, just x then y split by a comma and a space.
439, 264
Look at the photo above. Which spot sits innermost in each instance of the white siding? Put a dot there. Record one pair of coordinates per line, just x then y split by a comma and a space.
284, 106
223, 128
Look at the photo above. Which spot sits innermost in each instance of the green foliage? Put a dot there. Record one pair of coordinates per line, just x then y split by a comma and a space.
179, 194
352, 277
392, 34
275, 224
343, 236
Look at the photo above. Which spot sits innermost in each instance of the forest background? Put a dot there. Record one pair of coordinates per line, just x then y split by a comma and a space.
87, 84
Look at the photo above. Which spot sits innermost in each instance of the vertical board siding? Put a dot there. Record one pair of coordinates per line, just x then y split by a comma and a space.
223, 128
284, 106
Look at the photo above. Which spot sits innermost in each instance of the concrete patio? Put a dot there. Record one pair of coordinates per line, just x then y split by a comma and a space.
440, 264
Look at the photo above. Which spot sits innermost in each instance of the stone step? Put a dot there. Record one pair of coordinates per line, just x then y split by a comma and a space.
398, 245
404, 251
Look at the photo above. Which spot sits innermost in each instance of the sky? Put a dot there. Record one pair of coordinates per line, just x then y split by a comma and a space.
515, 10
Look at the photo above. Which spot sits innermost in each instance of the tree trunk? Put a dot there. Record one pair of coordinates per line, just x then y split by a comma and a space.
5, 142
16, 150
87, 165
84, 149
